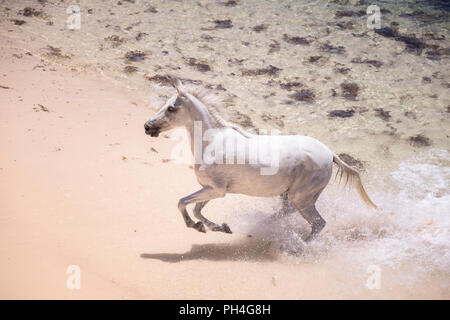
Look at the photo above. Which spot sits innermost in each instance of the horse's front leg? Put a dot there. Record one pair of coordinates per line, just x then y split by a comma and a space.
211, 225
203, 195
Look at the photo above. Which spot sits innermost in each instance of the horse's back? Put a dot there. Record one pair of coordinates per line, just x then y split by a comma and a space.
303, 150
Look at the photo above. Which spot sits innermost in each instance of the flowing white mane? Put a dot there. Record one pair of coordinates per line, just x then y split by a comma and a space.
215, 107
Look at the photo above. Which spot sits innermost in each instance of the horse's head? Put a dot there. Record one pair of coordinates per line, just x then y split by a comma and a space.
171, 115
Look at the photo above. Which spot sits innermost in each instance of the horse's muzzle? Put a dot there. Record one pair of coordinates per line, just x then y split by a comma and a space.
152, 131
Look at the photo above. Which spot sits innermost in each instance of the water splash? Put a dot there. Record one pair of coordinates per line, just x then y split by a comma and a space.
410, 230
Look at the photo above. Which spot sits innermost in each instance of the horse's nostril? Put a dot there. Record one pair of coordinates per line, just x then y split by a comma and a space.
146, 127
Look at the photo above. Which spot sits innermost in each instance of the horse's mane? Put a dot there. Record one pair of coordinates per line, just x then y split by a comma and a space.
215, 106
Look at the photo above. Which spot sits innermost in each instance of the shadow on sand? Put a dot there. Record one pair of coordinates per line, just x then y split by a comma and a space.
249, 250
265, 245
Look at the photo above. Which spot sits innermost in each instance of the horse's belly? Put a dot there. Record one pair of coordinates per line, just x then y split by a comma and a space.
245, 179
254, 184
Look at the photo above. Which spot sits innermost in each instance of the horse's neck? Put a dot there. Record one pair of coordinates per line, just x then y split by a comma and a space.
201, 121
199, 112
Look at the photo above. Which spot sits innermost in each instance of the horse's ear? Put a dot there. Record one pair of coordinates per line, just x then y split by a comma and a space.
176, 83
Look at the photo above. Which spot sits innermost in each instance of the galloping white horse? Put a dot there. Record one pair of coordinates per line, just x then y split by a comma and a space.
302, 166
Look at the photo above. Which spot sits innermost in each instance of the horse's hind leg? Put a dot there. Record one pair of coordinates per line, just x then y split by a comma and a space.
311, 215
211, 225
314, 219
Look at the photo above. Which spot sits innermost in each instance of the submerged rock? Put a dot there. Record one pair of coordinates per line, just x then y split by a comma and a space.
413, 44
151, 9
56, 52
236, 61
115, 40
130, 69
347, 25
267, 117
313, 59
223, 24
290, 85
387, 32
341, 113
244, 120
270, 70
419, 141
30, 12
296, 40
433, 36
135, 55
342, 70
164, 80
260, 27
383, 114
375, 63
274, 47
306, 95
230, 3
349, 90
349, 13
325, 47
437, 53
18, 22
200, 66
140, 35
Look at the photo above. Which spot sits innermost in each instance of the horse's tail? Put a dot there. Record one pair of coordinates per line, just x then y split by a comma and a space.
353, 176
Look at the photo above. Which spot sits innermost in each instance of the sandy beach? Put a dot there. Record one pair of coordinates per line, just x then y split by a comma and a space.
82, 185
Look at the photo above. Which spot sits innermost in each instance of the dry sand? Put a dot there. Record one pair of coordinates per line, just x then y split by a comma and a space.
81, 186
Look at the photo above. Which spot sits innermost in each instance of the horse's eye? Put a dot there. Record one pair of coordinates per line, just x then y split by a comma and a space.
171, 109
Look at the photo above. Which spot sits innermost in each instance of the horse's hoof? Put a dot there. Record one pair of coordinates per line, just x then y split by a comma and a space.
226, 228
200, 227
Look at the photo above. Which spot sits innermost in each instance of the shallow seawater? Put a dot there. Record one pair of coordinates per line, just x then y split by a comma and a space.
407, 237
285, 65
301, 67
